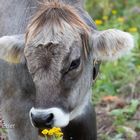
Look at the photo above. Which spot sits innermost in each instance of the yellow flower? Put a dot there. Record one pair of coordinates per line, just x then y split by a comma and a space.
45, 132
115, 63
53, 132
133, 29
98, 21
59, 134
105, 17
114, 12
56, 129
121, 19
138, 66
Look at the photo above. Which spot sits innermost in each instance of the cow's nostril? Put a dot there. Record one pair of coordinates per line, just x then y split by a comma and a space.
42, 120
49, 119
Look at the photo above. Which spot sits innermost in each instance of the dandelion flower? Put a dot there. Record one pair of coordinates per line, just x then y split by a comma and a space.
51, 132
105, 17
98, 22
121, 19
59, 134
133, 29
114, 12
45, 132
56, 129
54, 132
138, 67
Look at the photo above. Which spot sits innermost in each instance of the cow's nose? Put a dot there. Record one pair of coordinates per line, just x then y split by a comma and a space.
42, 120
51, 117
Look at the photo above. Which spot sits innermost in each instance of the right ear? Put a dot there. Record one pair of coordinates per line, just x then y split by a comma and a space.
111, 44
11, 48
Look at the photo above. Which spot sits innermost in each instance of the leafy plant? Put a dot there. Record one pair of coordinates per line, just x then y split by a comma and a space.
126, 113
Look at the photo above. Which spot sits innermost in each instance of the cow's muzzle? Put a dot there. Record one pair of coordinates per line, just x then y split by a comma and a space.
47, 118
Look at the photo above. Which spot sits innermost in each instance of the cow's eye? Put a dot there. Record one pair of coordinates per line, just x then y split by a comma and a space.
74, 64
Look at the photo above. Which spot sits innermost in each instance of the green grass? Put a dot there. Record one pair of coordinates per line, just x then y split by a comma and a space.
123, 15
125, 70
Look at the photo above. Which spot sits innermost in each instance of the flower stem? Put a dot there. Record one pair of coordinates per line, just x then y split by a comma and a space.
46, 138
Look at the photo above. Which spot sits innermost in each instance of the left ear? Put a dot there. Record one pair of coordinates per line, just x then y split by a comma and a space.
111, 44
11, 49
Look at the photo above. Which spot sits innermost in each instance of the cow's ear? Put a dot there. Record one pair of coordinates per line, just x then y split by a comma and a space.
11, 49
111, 44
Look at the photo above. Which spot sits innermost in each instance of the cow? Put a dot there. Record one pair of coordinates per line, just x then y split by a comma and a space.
49, 57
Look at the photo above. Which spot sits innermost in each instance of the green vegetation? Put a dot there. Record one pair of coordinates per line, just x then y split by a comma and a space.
119, 78
122, 15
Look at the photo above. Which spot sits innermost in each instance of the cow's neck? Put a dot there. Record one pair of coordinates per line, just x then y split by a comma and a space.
83, 127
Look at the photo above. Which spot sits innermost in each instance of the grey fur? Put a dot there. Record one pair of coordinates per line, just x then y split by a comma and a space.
17, 89
16, 14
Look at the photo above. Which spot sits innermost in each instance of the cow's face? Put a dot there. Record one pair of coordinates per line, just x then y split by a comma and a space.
59, 50
59, 60
62, 74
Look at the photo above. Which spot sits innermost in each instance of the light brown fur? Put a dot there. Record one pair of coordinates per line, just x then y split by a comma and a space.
57, 17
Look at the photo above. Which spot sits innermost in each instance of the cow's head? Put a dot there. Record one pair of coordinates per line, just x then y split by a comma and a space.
60, 49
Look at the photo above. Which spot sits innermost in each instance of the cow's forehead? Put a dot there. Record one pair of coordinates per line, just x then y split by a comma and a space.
65, 36
61, 51
53, 55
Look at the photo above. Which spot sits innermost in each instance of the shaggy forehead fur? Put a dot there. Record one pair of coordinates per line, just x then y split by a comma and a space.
58, 23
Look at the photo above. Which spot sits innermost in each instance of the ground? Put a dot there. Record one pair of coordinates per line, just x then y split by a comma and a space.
109, 130
118, 117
